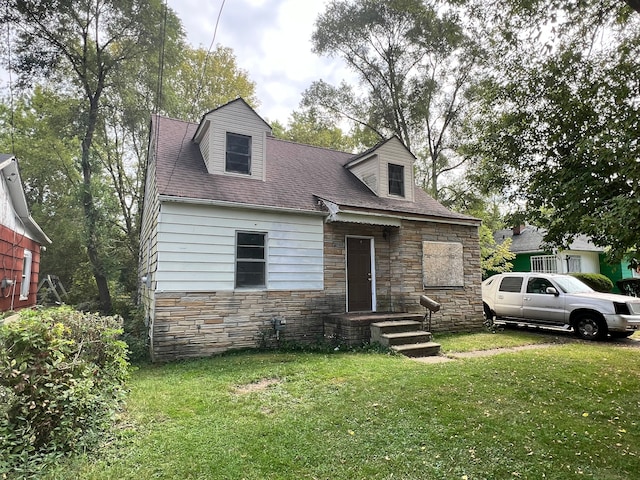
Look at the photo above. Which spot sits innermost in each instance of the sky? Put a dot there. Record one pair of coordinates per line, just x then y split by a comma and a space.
271, 40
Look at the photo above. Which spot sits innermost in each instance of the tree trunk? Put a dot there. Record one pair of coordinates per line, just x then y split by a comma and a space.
90, 212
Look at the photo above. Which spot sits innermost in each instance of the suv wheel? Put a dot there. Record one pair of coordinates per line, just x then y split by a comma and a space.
590, 327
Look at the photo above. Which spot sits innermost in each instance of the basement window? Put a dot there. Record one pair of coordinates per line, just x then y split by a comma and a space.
250, 259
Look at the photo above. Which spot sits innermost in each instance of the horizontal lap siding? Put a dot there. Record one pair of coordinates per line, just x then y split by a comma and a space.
196, 248
369, 172
236, 118
148, 258
394, 152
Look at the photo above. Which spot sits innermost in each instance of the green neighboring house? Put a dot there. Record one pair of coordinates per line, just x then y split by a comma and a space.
582, 256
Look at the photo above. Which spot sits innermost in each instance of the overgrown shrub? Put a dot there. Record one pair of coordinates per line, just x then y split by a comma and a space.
597, 281
136, 332
62, 380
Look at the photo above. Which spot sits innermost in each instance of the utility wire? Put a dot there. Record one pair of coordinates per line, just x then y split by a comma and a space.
11, 103
197, 96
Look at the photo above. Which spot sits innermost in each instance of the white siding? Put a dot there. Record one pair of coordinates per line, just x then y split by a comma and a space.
369, 173
196, 248
394, 152
589, 261
8, 216
204, 150
148, 258
7, 213
236, 117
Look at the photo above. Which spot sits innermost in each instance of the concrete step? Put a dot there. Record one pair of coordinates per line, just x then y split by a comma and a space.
401, 338
381, 328
397, 326
428, 349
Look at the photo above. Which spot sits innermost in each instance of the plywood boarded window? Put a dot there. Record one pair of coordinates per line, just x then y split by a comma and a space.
442, 264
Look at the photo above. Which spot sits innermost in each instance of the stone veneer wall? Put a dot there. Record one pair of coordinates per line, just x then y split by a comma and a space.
461, 308
399, 271
206, 323
189, 324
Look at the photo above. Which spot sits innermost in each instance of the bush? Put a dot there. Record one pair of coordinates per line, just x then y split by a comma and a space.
62, 376
597, 281
136, 332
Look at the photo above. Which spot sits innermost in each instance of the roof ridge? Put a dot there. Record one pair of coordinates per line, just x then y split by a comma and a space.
173, 119
272, 137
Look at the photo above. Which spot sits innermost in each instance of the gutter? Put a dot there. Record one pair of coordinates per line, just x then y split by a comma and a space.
221, 203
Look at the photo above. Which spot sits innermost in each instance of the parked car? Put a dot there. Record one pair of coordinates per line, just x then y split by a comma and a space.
559, 301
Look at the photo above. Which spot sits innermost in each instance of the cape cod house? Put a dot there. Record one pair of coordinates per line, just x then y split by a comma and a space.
245, 236
21, 240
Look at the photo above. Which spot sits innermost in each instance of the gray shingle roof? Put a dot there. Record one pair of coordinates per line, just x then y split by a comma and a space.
297, 175
531, 238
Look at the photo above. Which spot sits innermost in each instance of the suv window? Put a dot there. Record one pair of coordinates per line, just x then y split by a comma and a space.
538, 285
511, 284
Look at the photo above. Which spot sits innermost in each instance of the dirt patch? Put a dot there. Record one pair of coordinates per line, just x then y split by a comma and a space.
258, 386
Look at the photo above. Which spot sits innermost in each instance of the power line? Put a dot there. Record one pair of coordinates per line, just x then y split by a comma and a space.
197, 96
163, 34
11, 103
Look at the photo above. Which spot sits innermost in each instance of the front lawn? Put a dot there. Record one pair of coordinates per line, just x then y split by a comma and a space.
563, 412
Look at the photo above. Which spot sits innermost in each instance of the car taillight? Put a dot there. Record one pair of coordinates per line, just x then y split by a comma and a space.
621, 308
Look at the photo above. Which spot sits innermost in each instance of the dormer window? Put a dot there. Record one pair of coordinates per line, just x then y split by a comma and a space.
238, 158
396, 180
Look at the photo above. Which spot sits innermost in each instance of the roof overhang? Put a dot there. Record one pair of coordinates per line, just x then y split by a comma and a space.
341, 213
11, 174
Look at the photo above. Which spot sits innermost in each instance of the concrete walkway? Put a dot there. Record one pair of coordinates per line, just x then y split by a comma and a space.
449, 357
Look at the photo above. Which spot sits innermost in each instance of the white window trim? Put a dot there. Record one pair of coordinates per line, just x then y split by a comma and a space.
544, 263
263, 261
249, 156
27, 262
402, 185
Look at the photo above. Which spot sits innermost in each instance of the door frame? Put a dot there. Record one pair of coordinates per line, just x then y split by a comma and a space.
373, 270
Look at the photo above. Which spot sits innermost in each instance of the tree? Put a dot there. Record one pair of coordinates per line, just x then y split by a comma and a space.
494, 257
559, 132
83, 46
413, 65
312, 128
39, 129
203, 81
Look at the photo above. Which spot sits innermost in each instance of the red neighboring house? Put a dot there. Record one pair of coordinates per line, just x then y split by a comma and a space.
21, 240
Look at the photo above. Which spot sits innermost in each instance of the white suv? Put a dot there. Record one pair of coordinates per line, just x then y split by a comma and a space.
559, 301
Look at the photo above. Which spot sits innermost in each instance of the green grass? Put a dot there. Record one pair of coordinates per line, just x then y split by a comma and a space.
467, 342
565, 412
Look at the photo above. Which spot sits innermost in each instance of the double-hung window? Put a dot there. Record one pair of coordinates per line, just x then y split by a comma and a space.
238, 159
250, 259
396, 180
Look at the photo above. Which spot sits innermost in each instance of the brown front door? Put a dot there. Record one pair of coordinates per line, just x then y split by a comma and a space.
359, 275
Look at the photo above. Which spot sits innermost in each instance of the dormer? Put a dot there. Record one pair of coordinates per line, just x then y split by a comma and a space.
232, 139
387, 169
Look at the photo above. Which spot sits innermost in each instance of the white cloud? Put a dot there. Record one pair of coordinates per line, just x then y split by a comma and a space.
271, 40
